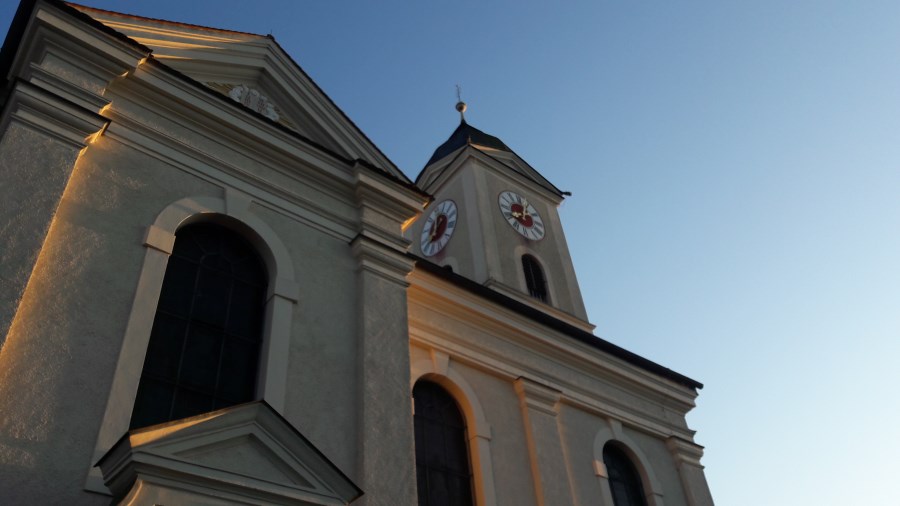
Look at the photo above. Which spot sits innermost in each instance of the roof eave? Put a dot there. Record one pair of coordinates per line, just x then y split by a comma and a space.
556, 324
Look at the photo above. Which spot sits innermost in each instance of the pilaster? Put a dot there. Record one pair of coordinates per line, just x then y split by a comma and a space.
60, 73
41, 137
687, 459
540, 408
386, 465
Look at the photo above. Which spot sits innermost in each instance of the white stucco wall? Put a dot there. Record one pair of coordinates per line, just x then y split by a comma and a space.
563, 409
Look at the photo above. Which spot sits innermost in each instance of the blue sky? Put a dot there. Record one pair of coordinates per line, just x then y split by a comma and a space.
735, 169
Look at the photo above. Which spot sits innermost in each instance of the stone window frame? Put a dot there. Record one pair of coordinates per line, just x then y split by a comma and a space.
613, 433
439, 370
521, 251
283, 291
535, 279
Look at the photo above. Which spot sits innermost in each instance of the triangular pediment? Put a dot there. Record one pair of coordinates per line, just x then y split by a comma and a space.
246, 455
255, 72
245, 450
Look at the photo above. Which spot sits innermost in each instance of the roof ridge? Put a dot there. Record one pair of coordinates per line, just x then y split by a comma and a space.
84, 8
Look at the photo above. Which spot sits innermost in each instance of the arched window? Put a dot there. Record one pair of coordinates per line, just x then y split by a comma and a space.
443, 472
534, 278
624, 480
205, 342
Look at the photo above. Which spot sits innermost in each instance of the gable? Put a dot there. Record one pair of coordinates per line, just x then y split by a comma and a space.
247, 450
506, 165
254, 72
503, 158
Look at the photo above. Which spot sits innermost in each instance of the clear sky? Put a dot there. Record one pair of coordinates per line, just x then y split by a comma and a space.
735, 170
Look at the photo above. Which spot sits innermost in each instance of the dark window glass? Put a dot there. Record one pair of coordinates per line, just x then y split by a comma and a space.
205, 342
534, 278
624, 480
443, 473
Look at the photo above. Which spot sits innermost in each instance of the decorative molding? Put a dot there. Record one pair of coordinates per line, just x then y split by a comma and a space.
158, 241
480, 431
254, 100
315, 213
193, 52
71, 59
601, 401
285, 288
687, 455
237, 203
242, 453
63, 87
430, 294
44, 112
382, 261
613, 431
685, 452
524, 298
227, 89
441, 362
384, 208
540, 406
537, 396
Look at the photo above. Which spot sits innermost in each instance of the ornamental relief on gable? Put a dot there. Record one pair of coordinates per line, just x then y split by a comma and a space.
252, 99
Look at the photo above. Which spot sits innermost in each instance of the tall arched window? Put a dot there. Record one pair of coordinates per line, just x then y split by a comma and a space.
624, 480
534, 278
204, 347
443, 472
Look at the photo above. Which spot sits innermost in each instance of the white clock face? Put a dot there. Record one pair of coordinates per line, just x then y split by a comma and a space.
521, 215
438, 228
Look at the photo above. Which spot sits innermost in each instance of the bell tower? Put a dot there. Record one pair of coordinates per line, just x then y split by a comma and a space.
495, 220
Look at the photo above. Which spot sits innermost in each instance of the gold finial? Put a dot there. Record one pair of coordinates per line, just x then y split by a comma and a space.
460, 105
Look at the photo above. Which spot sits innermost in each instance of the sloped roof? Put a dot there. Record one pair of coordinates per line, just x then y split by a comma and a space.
463, 135
467, 135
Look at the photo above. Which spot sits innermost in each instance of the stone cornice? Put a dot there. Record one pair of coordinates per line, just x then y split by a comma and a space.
685, 452
385, 209
42, 111
381, 260
539, 343
511, 292
457, 302
71, 59
315, 213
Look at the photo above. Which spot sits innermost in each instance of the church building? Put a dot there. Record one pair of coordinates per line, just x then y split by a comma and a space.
216, 290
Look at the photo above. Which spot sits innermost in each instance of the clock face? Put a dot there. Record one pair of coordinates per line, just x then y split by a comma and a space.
438, 228
521, 215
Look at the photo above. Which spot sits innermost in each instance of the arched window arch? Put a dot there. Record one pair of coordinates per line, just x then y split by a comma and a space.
624, 480
534, 278
443, 469
206, 338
